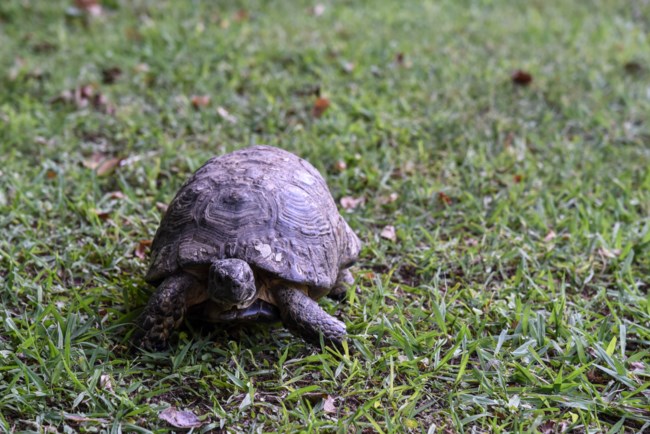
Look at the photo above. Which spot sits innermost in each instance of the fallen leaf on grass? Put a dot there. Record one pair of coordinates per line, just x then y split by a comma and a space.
180, 418
85, 96
320, 106
116, 195
102, 215
110, 75
328, 405
94, 160
105, 382
108, 166
350, 203
389, 233
521, 78
242, 15
200, 101
316, 397
637, 366
141, 248
596, 377
401, 60
552, 427
80, 418
444, 198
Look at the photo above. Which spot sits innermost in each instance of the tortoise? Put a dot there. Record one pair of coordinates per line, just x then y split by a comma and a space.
252, 236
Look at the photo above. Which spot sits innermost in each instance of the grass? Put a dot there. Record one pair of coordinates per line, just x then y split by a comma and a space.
514, 298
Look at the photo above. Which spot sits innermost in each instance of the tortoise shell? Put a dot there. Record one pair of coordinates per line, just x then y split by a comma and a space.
263, 205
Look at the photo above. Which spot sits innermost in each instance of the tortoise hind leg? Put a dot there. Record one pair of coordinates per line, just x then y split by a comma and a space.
304, 317
340, 289
164, 312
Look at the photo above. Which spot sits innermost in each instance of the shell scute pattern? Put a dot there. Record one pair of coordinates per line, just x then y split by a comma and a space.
260, 204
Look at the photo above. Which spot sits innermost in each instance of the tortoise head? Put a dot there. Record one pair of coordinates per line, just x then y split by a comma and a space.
231, 283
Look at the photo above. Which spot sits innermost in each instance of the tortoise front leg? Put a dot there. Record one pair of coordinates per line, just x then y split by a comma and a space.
164, 312
304, 317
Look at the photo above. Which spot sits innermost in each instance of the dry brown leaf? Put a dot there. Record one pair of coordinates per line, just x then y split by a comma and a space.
328, 405
242, 15
596, 377
200, 101
350, 203
389, 233
444, 198
141, 248
521, 78
180, 418
110, 75
108, 166
94, 160
84, 96
102, 215
320, 106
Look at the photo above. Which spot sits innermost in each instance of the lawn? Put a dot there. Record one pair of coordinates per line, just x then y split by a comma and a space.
512, 295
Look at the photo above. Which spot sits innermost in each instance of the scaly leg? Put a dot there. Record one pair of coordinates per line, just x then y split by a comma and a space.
304, 317
164, 312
